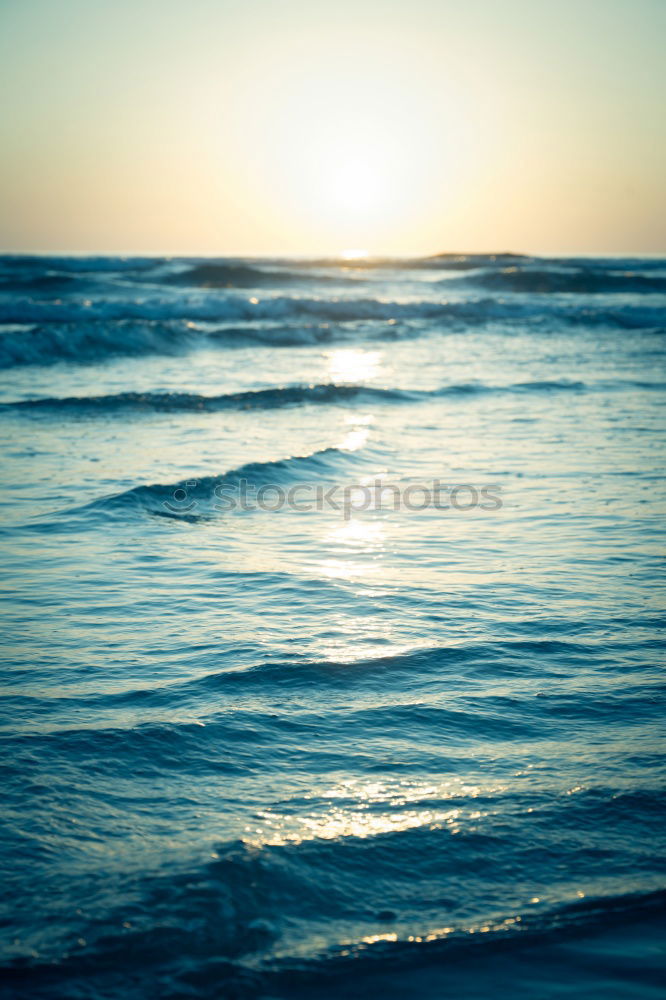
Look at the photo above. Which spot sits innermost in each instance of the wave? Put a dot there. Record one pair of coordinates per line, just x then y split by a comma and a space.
259, 399
49, 332
196, 500
237, 275
248, 922
582, 281
508, 260
472, 658
86, 341
471, 261
441, 261
232, 308
409, 670
20, 263
326, 394
642, 264
227, 271
37, 282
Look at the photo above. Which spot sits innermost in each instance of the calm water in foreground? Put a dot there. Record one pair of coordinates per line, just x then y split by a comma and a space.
265, 751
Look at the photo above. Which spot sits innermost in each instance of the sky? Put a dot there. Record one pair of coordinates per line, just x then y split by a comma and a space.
270, 127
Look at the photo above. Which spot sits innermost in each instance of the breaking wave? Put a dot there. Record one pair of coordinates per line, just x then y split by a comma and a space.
48, 332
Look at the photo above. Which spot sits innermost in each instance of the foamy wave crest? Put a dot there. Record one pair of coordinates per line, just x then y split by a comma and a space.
47, 332
214, 307
22, 344
223, 307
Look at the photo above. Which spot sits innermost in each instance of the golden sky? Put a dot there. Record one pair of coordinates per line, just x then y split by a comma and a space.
279, 127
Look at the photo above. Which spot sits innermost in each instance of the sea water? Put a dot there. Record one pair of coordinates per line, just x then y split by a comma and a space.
333, 627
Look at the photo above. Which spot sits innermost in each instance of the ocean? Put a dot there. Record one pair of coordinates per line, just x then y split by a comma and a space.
333, 628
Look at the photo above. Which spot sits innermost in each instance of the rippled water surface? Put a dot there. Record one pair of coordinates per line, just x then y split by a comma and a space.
262, 750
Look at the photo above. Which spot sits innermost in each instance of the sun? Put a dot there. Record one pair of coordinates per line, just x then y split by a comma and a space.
355, 186
353, 253
351, 150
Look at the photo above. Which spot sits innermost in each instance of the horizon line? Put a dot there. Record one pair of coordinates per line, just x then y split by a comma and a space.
332, 255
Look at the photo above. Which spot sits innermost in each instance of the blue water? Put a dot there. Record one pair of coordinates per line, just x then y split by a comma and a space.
276, 752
